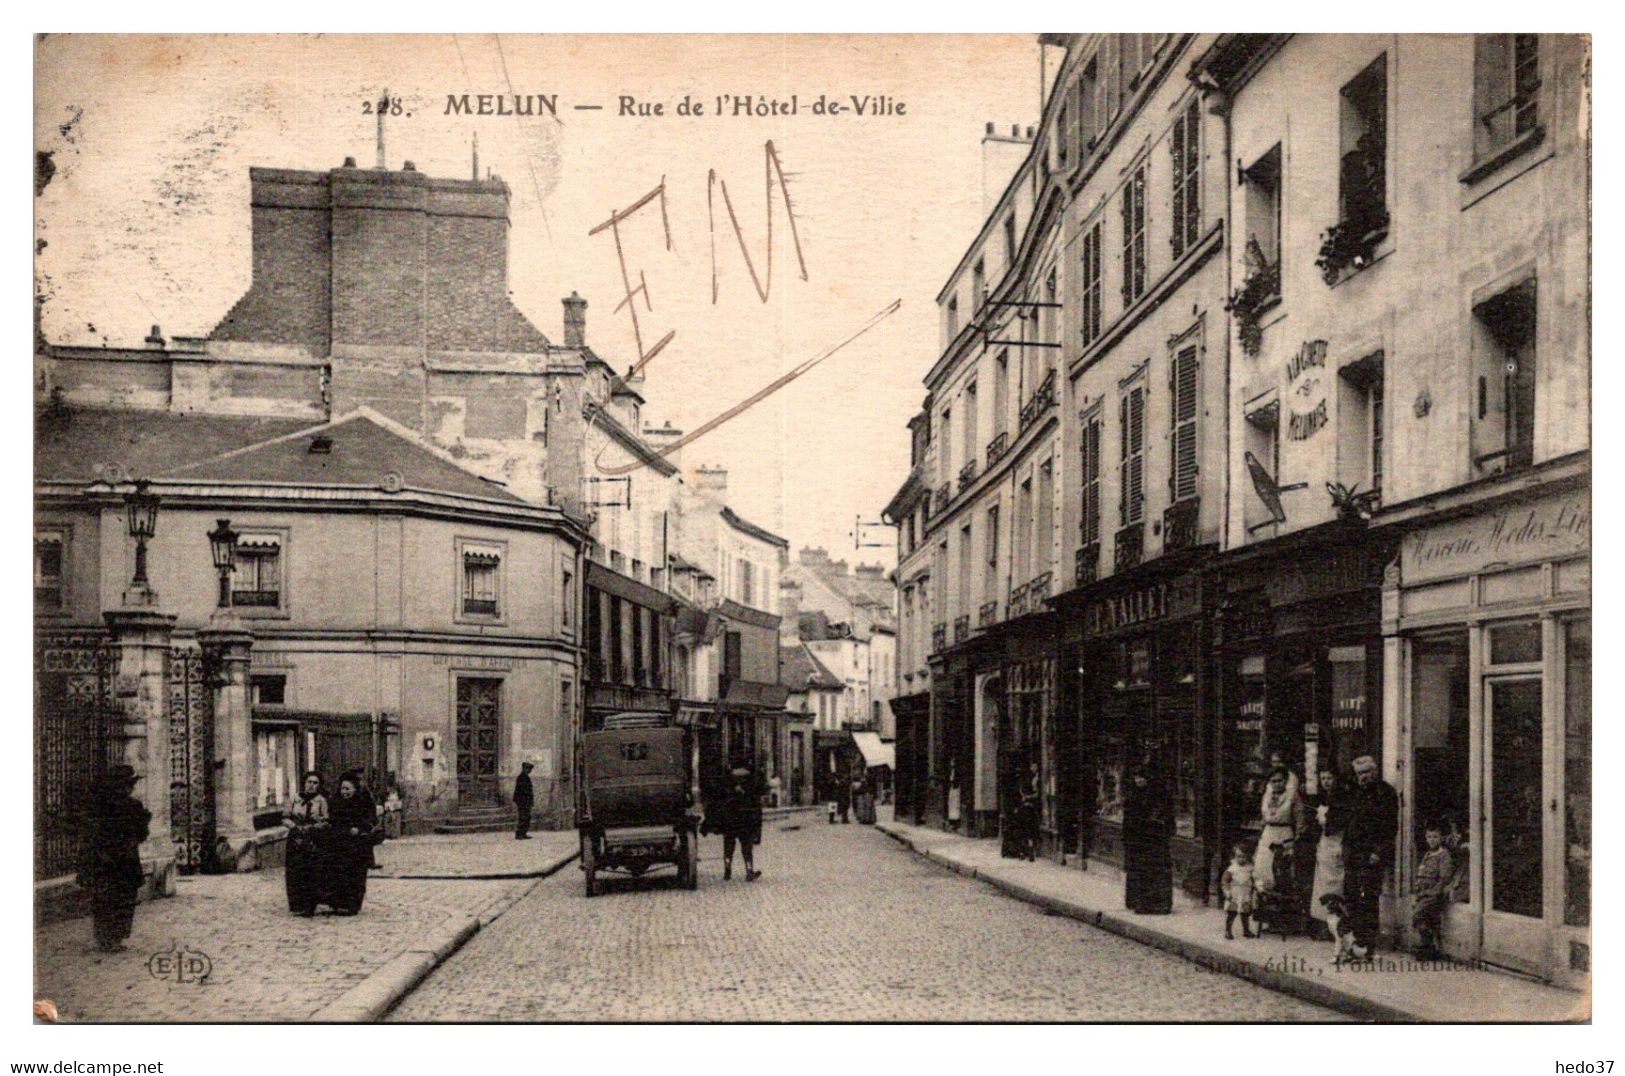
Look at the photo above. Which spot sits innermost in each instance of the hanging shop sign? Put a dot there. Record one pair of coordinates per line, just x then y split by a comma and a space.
1306, 391
1549, 529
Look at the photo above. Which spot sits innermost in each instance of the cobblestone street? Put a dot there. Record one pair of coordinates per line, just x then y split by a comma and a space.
845, 924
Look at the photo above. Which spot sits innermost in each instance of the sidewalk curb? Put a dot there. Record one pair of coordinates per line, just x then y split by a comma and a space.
1213, 960
369, 1000
493, 876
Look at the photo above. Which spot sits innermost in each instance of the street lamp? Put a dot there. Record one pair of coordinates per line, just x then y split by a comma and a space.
223, 545
141, 513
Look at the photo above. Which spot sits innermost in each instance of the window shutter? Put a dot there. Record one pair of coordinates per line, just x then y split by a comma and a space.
1176, 148
1183, 466
1192, 181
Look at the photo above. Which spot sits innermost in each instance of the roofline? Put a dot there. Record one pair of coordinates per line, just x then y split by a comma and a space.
744, 526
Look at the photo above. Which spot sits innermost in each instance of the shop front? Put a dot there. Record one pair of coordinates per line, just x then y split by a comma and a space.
1133, 657
1488, 629
1298, 668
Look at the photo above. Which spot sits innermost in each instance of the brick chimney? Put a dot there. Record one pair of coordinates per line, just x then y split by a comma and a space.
869, 571
575, 321
662, 437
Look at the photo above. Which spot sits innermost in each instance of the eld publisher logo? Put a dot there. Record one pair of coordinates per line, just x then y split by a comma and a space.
179, 965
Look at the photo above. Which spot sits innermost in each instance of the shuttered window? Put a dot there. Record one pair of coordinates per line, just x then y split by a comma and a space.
1185, 145
1089, 471
1131, 429
1182, 470
1088, 108
1134, 237
1506, 89
1091, 285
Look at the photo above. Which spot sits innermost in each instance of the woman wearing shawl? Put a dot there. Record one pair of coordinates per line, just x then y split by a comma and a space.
1283, 815
354, 818
307, 820
111, 870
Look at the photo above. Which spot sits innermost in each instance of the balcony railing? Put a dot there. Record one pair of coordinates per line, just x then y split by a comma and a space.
1018, 601
1130, 547
939, 637
961, 628
268, 599
987, 614
1038, 591
996, 447
1042, 400
1179, 524
967, 474
1086, 565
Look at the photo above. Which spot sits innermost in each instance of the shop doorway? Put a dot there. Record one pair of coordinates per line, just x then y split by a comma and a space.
478, 731
1515, 837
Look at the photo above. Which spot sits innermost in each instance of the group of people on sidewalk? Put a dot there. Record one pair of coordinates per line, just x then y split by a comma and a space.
1339, 839
330, 845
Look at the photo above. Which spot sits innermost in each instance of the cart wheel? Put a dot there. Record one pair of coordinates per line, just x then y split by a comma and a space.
589, 863
690, 865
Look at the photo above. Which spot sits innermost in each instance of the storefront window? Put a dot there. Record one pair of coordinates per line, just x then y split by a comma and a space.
1517, 839
1514, 644
1347, 734
1577, 772
1245, 750
1439, 722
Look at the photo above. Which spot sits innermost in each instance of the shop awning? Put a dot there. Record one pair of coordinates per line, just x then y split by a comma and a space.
875, 753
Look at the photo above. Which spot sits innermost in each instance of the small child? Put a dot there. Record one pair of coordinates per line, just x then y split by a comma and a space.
1237, 887
1433, 877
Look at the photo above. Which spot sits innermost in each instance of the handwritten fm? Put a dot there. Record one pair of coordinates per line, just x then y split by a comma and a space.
763, 283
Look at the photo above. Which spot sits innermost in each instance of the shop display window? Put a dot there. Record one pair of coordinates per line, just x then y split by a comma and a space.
1439, 722
1577, 772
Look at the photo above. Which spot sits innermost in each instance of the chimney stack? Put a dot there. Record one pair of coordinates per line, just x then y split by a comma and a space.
156, 337
575, 321
712, 482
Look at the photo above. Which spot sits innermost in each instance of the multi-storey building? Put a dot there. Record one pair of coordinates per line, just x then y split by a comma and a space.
1417, 277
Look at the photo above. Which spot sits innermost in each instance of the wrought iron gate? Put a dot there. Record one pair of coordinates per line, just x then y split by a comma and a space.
191, 753
74, 714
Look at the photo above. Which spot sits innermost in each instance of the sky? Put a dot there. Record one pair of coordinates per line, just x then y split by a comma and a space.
146, 218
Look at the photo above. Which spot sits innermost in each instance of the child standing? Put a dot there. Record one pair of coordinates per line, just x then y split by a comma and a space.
1238, 888
1433, 877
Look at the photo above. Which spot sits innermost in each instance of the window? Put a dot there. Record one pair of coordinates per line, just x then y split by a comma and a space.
978, 284
1090, 305
617, 649
1362, 178
1088, 107
1506, 91
640, 667
276, 765
746, 578
1111, 85
990, 543
1504, 390
1089, 479
1186, 146
1021, 555
1360, 424
617, 559
256, 582
48, 547
1134, 237
969, 408
1262, 202
1046, 517
481, 568
732, 656
944, 449
967, 569
566, 598
1131, 454
1184, 392
1009, 240
637, 570
953, 317
1001, 392
268, 690
1065, 133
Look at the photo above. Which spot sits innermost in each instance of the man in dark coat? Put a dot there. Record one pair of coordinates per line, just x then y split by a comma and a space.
116, 826
524, 798
1147, 834
1370, 821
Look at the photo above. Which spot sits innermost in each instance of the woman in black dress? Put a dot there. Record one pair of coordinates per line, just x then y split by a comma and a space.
306, 820
116, 825
354, 818
1147, 832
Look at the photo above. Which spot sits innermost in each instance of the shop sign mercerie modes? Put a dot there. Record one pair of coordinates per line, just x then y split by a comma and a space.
1549, 529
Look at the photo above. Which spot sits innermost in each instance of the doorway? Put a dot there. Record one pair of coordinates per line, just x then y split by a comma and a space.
1515, 837
479, 717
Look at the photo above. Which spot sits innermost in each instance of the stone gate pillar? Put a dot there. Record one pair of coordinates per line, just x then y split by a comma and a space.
226, 644
140, 736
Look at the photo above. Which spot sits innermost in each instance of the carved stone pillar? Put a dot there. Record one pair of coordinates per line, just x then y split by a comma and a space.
141, 733
226, 644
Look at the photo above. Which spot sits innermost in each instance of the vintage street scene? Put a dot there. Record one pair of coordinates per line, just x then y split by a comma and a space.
1077, 527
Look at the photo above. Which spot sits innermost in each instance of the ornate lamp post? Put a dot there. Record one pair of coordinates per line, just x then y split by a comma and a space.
141, 514
223, 545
